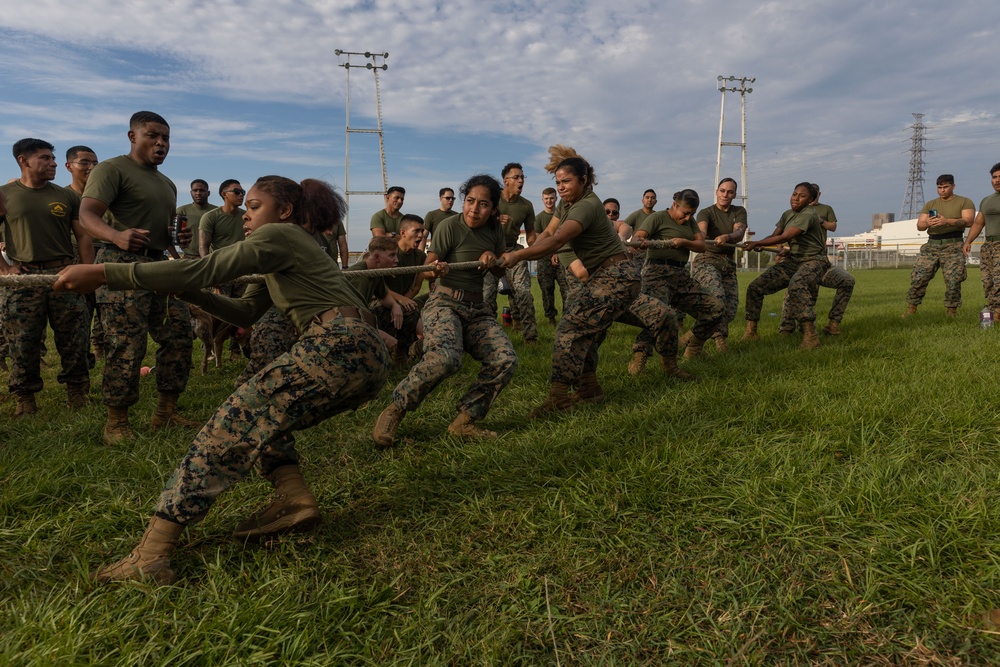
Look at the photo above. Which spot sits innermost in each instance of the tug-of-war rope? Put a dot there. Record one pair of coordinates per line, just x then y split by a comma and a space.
47, 280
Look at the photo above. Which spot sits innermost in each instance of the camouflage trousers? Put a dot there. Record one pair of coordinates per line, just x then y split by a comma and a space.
673, 286
800, 276
29, 309
989, 268
4, 347
129, 318
452, 327
717, 273
606, 297
336, 366
949, 258
522, 303
836, 279
272, 336
548, 275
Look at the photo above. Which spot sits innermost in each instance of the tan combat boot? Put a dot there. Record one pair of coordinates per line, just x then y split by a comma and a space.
996, 316
751, 332
638, 363
386, 425
684, 341
694, 347
150, 559
558, 401
166, 413
671, 369
25, 406
117, 428
810, 339
721, 345
464, 427
76, 395
293, 507
832, 328
951, 312
911, 309
589, 389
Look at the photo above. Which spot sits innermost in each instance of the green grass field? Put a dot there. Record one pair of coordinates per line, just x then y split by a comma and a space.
838, 506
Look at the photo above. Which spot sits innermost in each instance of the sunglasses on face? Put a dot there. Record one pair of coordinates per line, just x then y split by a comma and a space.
612, 213
237, 191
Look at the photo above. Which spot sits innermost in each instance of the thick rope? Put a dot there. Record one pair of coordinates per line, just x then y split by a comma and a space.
47, 280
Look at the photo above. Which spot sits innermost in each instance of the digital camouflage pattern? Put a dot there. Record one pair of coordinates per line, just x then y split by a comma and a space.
29, 310
127, 317
673, 286
272, 336
336, 366
989, 268
717, 273
548, 276
522, 303
801, 277
452, 327
933, 256
835, 278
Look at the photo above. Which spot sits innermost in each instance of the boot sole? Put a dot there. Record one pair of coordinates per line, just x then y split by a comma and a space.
298, 522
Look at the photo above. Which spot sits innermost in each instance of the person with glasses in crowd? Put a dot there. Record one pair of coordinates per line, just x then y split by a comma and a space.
446, 210
80, 161
223, 226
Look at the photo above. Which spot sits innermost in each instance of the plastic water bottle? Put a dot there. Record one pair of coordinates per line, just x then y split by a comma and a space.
506, 317
986, 318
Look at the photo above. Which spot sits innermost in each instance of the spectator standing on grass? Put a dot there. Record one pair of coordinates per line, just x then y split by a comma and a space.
142, 201
338, 364
988, 219
223, 226
446, 210
40, 220
456, 322
194, 211
800, 271
945, 220
80, 161
386, 221
516, 213
835, 278
548, 269
635, 218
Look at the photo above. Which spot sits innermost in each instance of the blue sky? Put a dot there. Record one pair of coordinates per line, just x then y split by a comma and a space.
253, 87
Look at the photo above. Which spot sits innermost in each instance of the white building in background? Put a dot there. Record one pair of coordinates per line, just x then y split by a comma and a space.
899, 236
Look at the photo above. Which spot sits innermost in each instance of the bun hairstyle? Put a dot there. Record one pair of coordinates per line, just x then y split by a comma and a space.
566, 157
314, 203
687, 197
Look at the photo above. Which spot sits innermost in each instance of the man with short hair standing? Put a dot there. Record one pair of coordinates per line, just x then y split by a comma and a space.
194, 211
945, 220
41, 218
636, 218
446, 210
223, 226
988, 218
548, 269
143, 202
386, 221
516, 213
80, 161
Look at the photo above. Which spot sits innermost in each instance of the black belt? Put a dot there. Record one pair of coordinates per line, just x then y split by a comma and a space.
992, 238
42, 266
466, 296
944, 237
669, 262
145, 252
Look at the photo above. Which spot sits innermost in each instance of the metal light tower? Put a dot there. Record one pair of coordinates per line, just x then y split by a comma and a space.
742, 143
913, 198
373, 62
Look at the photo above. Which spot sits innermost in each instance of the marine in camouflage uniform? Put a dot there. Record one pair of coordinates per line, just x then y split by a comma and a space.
272, 336
943, 249
548, 271
988, 220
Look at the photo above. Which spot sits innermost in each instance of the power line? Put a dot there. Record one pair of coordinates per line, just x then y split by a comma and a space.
913, 199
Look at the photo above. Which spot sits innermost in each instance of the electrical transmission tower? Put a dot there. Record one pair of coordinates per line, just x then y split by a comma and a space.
742, 143
913, 200
373, 62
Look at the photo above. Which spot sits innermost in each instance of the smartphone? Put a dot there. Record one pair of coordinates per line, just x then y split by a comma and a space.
932, 213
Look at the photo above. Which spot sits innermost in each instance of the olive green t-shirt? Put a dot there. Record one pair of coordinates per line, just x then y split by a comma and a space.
522, 215
948, 209
434, 217
139, 197
224, 228
721, 222
661, 227
990, 208
300, 278
566, 254
382, 220
812, 241
39, 222
542, 221
455, 241
402, 284
598, 240
635, 218
371, 288
825, 214
194, 213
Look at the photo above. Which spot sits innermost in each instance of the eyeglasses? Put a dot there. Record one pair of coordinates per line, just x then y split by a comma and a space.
236, 191
612, 213
86, 163
449, 198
